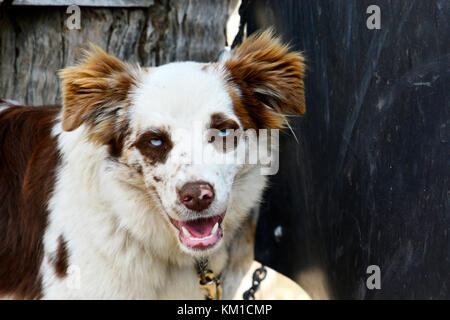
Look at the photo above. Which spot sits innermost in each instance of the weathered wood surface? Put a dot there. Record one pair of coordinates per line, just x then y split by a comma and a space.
89, 3
35, 41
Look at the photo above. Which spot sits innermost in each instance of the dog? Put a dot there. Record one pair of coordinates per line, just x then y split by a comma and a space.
99, 198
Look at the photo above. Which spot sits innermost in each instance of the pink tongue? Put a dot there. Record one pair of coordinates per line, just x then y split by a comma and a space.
201, 227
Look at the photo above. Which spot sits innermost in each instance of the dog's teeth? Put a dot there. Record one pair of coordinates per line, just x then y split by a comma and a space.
214, 230
186, 231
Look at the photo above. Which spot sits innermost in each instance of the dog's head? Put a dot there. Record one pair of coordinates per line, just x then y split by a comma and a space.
167, 129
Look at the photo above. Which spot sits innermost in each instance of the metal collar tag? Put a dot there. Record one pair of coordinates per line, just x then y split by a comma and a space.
209, 283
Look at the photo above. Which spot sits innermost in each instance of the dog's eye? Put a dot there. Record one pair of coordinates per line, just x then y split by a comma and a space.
223, 133
156, 142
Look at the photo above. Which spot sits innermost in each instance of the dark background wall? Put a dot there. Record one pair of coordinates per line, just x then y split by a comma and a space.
368, 182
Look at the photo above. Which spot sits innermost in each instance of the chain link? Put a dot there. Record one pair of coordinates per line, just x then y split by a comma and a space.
258, 276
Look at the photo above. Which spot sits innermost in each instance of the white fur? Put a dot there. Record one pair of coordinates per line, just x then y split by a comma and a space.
181, 97
119, 239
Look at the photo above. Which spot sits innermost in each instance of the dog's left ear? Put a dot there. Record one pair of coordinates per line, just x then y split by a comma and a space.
95, 90
269, 79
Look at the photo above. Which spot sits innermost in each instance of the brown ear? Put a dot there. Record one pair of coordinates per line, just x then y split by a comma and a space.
95, 89
269, 78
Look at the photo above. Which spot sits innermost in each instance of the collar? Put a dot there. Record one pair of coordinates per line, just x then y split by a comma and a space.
208, 281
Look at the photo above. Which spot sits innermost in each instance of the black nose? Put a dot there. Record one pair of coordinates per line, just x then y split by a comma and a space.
197, 196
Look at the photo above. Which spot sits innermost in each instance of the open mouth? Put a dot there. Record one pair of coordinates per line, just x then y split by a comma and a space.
202, 233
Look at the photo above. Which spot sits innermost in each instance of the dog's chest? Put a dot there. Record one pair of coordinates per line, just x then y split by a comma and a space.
98, 279
106, 262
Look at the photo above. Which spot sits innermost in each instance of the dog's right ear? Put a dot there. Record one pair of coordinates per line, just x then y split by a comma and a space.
269, 78
95, 90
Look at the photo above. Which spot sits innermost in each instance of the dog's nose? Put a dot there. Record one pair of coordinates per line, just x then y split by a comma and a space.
197, 196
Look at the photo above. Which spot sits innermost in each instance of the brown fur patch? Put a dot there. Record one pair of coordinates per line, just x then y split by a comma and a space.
94, 92
268, 79
60, 260
138, 168
29, 157
115, 144
154, 154
220, 121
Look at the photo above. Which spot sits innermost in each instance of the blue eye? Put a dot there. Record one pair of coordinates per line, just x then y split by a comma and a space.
156, 142
223, 133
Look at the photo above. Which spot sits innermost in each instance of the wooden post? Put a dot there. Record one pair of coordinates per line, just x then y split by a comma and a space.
35, 41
